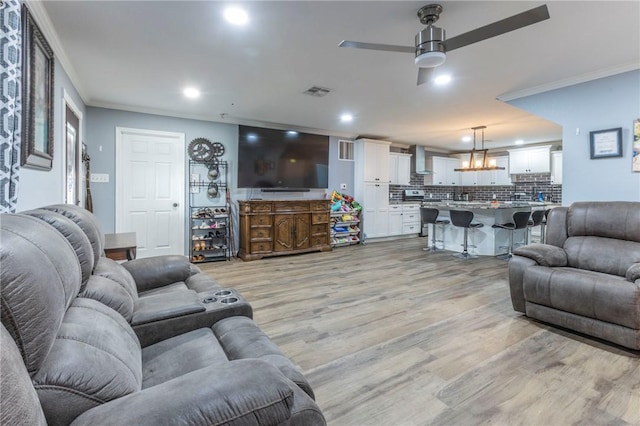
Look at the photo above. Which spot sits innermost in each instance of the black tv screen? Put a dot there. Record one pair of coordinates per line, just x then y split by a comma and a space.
282, 159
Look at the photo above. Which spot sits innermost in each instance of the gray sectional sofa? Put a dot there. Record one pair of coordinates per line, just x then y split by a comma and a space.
587, 276
72, 352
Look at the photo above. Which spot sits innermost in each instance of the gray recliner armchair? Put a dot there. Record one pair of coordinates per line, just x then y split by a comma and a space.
160, 296
68, 359
587, 275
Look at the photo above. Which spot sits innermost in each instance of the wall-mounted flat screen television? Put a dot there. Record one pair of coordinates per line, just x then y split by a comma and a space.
281, 159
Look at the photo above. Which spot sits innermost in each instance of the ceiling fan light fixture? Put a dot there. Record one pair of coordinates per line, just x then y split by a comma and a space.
430, 59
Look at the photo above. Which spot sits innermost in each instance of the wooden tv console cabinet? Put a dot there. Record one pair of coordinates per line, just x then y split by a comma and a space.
281, 227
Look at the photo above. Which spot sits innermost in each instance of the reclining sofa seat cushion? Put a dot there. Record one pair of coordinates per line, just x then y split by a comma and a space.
82, 354
594, 289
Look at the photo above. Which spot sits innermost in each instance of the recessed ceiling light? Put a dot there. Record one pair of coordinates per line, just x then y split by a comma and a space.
519, 142
442, 79
466, 138
236, 16
292, 133
191, 92
345, 118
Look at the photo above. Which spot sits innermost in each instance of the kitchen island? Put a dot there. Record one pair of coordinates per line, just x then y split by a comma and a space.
489, 241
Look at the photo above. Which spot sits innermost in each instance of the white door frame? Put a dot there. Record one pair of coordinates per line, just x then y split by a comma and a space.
67, 101
119, 183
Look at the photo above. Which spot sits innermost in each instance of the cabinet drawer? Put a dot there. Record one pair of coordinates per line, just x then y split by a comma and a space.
291, 207
260, 207
261, 247
260, 220
410, 217
257, 233
321, 229
319, 206
395, 208
411, 228
411, 208
319, 217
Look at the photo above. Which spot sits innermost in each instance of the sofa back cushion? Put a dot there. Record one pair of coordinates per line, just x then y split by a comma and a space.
20, 404
603, 236
110, 293
111, 269
39, 278
96, 357
74, 234
619, 220
601, 254
86, 221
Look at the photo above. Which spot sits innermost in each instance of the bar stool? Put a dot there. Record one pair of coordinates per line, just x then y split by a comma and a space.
428, 215
537, 218
520, 221
543, 226
463, 219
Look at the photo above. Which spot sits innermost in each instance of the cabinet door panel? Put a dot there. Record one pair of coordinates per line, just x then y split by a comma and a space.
301, 231
283, 232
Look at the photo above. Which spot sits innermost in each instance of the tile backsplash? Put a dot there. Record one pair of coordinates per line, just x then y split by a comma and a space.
529, 184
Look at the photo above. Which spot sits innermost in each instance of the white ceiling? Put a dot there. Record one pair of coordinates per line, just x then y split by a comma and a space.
139, 55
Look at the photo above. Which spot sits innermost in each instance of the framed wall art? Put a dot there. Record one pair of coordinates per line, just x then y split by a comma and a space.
37, 96
606, 143
635, 151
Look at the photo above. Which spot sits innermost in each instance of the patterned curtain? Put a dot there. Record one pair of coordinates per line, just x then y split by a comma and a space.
11, 103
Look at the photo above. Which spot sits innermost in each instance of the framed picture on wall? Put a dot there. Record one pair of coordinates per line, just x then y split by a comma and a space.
37, 96
606, 143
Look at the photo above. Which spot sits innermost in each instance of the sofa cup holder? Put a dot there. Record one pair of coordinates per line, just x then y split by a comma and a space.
222, 293
229, 300
209, 299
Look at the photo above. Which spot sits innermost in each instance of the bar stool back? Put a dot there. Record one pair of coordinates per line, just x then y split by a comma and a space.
464, 219
537, 217
520, 221
543, 226
429, 215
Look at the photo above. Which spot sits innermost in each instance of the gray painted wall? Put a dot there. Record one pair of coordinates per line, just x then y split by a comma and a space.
340, 171
600, 104
38, 188
101, 136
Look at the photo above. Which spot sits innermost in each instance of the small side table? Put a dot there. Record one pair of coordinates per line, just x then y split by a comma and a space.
120, 246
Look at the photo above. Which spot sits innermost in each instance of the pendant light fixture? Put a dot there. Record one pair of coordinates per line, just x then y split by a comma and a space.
478, 159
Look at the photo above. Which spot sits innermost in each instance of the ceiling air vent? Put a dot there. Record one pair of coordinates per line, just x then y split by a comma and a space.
317, 91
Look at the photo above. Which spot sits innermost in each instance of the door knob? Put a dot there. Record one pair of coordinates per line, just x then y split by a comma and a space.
175, 204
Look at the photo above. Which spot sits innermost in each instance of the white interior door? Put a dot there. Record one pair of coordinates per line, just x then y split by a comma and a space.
150, 189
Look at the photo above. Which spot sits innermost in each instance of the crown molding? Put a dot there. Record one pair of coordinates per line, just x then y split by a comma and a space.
41, 17
582, 78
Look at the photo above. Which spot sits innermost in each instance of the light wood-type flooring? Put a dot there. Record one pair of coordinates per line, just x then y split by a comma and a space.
388, 334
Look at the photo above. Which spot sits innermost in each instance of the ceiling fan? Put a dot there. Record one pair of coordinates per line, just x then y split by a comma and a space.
431, 45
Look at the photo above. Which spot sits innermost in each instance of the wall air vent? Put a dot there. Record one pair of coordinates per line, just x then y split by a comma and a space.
317, 91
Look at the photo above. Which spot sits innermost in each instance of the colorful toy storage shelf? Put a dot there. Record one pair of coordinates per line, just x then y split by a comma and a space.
345, 220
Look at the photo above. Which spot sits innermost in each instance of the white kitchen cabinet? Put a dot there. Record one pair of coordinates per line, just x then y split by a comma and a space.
496, 177
375, 209
556, 167
395, 219
399, 168
442, 171
470, 178
374, 156
371, 185
530, 160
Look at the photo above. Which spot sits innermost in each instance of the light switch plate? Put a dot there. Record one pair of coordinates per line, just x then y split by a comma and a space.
100, 177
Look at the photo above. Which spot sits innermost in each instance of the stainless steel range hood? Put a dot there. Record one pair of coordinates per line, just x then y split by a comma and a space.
418, 160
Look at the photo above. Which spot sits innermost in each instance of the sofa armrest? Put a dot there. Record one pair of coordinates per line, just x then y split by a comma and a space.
235, 393
543, 254
633, 273
158, 271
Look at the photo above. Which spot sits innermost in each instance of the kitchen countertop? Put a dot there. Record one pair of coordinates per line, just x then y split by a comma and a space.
487, 204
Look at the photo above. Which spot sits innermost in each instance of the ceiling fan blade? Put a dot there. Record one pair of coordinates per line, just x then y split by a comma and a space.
376, 46
497, 28
424, 74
